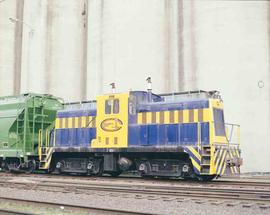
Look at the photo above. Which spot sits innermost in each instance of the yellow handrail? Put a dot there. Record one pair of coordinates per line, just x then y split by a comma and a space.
47, 138
39, 143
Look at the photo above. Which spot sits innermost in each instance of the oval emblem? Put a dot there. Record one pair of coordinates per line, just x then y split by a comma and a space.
111, 124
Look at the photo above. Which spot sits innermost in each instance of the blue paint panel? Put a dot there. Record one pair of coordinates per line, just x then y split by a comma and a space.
143, 135
188, 134
205, 133
133, 135
74, 137
172, 134
162, 134
152, 135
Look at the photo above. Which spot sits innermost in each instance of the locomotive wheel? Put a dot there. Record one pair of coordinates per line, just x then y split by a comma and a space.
96, 168
99, 170
59, 166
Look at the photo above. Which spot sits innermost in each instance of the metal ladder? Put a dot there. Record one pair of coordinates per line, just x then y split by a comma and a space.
43, 148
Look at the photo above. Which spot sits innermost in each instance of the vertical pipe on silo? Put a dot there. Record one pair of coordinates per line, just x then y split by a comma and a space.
167, 45
18, 47
180, 45
193, 54
85, 50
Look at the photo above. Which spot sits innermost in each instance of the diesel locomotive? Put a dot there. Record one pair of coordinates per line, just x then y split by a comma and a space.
167, 135
170, 135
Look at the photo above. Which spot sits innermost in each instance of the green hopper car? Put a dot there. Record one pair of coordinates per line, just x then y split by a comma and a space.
22, 117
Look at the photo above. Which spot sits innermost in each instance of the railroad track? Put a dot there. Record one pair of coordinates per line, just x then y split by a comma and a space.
220, 182
88, 209
190, 191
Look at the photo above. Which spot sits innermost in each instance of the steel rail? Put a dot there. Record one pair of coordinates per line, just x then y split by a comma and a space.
7, 212
71, 206
136, 178
198, 192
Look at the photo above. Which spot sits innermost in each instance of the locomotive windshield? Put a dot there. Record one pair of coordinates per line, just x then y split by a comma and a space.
219, 122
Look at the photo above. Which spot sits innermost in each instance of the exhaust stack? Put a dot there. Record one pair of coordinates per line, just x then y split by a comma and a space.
149, 89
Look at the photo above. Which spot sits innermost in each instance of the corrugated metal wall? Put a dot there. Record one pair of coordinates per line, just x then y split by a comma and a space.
76, 48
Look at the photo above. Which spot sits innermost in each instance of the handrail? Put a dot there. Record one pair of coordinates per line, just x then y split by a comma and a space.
47, 138
232, 133
40, 142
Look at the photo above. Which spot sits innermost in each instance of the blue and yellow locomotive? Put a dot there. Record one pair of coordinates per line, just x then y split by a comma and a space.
170, 135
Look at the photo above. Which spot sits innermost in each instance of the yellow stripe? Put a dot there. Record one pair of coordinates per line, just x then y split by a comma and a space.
139, 118
206, 115
69, 122
166, 117
57, 123
232, 168
195, 164
185, 116
158, 117
76, 122
83, 121
47, 164
63, 123
148, 117
194, 152
222, 161
218, 159
237, 153
224, 166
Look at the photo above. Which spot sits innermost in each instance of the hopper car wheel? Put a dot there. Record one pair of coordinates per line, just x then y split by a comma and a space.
31, 166
12, 166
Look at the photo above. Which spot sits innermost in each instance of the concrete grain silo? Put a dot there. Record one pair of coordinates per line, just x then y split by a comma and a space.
10, 47
78, 47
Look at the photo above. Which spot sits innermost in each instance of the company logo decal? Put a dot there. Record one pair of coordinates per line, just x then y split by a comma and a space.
111, 124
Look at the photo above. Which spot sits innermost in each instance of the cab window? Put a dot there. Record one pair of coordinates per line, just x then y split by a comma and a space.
219, 122
108, 106
112, 106
116, 106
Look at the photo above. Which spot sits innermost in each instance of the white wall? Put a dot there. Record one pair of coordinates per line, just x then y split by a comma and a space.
79, 47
